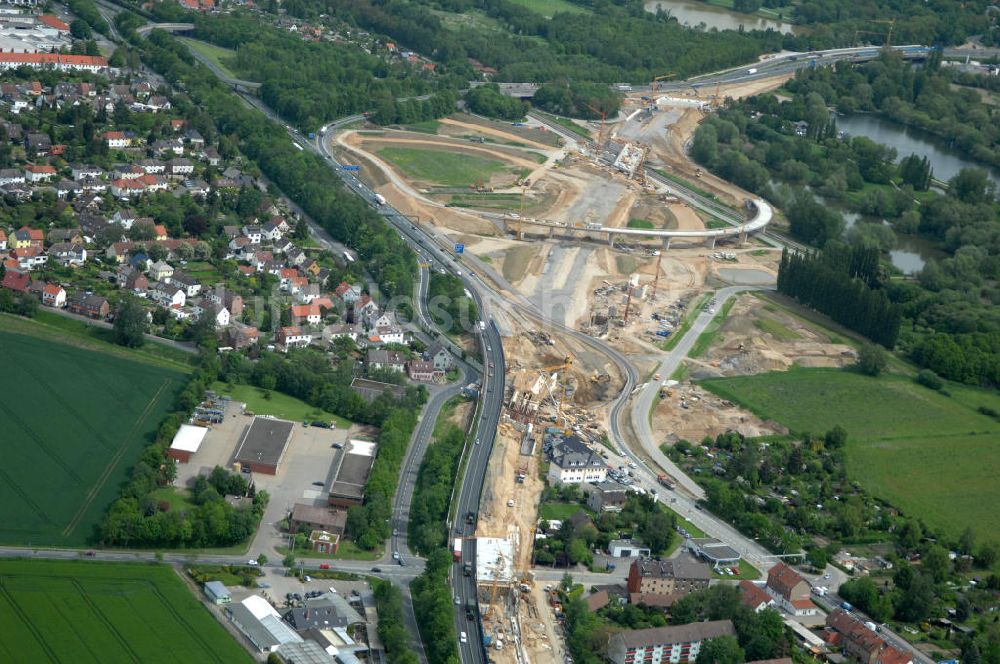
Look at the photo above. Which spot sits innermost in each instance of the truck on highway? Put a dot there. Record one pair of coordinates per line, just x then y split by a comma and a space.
752, 70
456, 550
380, 199
467, 569
470, 611
312, 136
662, 479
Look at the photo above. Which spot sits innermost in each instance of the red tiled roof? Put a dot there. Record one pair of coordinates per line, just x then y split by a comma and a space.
782, 579
54, 59
803, 604
52, 289
39, 168
753, 595
16, 281
53, 22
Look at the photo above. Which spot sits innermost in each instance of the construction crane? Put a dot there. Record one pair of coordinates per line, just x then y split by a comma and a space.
600, 136
496, 569
888, 38
567, 364
656, 80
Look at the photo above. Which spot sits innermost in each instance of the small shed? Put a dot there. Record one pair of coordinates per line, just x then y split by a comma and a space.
218, 592
186, 442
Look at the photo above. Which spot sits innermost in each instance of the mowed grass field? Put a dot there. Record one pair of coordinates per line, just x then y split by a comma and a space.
552, 7
439, 167
934, 456
80, 612
73, 421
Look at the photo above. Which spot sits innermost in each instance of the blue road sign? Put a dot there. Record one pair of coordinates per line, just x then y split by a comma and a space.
459, 248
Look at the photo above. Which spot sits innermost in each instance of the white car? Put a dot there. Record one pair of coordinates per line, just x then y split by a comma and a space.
252, 563
463, 637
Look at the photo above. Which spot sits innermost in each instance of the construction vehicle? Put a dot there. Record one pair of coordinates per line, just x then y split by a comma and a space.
662, 479
467, 569
522, 474
656, 80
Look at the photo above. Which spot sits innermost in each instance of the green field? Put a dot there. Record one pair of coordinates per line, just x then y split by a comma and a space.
640, 223
558, 511
105, 612
216, 54
447, 169
72, 428
931, 455
551, 7
277, 404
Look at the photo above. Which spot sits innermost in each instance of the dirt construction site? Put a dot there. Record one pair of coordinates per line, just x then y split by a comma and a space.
757, 336
469, 178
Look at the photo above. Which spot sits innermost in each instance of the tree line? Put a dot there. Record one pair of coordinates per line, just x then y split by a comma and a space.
847, 299
449, 306
432, 493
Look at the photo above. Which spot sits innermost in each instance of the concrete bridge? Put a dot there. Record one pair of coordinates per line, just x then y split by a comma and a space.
762, 215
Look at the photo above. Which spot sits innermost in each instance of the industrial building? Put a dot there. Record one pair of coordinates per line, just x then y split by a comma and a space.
217, 592
263, 445
349, 472
650, 579
186, 442
261, 624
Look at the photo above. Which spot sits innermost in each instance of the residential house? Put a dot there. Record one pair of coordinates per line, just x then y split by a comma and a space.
127, 189
38, 173
662, 645
134, 280
790, 591
218, 313
295, 256
573, 462
39, 145
11, 176
180, 167
53, 295
347, 292
394, 335
606, 496
82, 172
292, 337
16, 281
217, 593
190, 285
242, 336
160, 271
68, 254
423, 372
28, 258
211, 155
153, 167
378, 359
25, 237
306, 313
439, 356
667, 578
89, 305
167, 295
72, 235
316, 517
861, 643
755, 597
116, 140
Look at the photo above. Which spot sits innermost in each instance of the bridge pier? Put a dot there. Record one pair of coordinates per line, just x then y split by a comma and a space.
711, 242
611, 239
666, 243
743, 237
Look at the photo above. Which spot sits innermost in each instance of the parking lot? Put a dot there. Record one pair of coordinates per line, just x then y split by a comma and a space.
300, 477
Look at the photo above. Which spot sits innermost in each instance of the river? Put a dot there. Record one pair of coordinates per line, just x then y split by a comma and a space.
692, 13
945, 160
